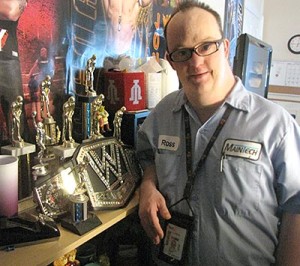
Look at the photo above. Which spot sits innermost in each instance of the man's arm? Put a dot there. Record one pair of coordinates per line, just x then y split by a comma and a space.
151, 204
288, 253
12, 9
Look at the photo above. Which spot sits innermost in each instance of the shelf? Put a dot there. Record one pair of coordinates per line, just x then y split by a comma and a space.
45, 253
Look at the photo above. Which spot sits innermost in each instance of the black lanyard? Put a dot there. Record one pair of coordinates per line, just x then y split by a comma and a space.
188, 143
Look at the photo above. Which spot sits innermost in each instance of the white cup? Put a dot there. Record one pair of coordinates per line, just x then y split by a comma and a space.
8, 185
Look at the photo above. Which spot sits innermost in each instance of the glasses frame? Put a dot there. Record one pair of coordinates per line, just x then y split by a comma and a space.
194, 50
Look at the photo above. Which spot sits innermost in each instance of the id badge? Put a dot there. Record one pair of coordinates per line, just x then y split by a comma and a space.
177, 233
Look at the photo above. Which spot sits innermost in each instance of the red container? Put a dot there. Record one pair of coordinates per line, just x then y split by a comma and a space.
124, 89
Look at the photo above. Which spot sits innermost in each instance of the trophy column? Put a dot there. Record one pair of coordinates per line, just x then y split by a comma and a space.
83, 117
83, 124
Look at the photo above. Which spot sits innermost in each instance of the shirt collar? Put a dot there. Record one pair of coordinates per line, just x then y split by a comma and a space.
239, 98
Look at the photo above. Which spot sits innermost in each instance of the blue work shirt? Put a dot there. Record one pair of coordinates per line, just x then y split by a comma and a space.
250, 176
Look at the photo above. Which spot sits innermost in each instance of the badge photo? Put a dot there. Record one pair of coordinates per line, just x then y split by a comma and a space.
174, 245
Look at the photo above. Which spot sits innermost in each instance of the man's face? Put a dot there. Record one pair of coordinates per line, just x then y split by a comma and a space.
199, 74
44, 53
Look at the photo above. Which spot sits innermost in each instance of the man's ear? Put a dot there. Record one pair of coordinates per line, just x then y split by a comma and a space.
226, 44
169, 60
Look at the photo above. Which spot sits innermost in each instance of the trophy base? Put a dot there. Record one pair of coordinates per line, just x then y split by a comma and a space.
93, 138
82, 227
40, 170
65, 152
18, 151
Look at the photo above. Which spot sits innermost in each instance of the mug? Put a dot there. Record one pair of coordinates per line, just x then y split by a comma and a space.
8, 185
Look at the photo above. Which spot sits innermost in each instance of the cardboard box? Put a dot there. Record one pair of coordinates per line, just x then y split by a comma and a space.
124, 89
154, 89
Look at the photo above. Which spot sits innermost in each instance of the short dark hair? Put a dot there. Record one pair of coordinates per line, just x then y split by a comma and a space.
186, 5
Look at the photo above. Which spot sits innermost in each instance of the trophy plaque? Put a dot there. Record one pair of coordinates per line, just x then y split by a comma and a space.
83, 117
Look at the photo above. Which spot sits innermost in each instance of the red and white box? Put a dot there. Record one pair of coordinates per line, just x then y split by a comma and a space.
124, 89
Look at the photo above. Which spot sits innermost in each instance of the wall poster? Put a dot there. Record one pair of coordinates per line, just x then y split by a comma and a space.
57, 37
233, 24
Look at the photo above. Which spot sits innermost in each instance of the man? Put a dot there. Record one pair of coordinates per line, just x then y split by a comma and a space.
10, 72
245, 197
121, 19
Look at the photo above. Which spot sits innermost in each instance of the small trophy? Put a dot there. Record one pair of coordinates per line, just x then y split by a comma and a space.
18, 146
96, 118
50, 127
69, 145
41, 138
118, 123
89, 76
80, 221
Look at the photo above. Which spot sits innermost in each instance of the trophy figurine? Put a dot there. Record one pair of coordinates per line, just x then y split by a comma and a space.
118, 122
96, 118
16, 110
68, 143
89, 76
45, 91
68, 112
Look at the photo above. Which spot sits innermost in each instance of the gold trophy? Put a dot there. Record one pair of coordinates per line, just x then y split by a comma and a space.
50, 127
41, 138
96, 118
69, 145
18, 147
118, 123
80, 221
84, 99
89, 76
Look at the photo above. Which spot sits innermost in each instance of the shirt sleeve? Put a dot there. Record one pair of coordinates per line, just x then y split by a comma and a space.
287, 170
144, 149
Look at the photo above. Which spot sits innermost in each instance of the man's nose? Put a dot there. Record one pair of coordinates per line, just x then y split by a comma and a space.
197, 59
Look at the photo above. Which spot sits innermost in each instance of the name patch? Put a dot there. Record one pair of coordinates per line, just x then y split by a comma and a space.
240, 148
170, 143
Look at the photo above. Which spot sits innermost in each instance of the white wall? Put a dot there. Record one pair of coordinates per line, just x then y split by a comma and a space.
254, 18
281, 21
217, 5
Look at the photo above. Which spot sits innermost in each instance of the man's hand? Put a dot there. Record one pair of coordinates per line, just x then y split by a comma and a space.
152, 204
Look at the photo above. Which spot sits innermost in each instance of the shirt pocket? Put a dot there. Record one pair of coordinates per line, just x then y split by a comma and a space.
241, 186
170, 165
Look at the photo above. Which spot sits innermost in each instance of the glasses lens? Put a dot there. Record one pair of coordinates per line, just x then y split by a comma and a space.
181, 55
203, 49
207, 48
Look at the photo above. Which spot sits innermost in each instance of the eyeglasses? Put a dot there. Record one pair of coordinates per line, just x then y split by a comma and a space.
201, 49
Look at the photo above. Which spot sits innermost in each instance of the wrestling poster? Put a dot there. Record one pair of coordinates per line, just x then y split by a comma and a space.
55, 38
